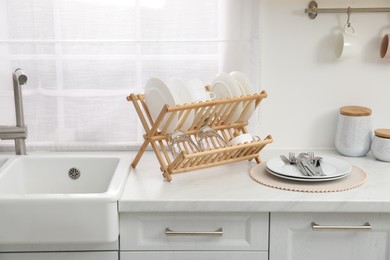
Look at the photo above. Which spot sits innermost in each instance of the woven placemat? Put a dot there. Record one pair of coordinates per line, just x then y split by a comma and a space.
356, 178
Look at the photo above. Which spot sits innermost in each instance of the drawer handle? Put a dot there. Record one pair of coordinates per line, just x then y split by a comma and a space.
216, 233
365, 227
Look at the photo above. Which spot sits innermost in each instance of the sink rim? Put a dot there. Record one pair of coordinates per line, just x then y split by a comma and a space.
113, 192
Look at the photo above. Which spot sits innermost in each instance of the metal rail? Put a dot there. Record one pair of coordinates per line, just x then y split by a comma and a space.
313, 10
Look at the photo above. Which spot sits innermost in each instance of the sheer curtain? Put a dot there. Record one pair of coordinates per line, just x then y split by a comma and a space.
83, 57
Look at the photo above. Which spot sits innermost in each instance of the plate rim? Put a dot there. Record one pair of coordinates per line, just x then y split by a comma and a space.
312, 177
224, 78
150, 86
246, 89
172, 87
242, 78
309, 179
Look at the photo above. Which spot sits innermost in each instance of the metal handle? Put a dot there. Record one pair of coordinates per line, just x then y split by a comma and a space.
216, 233
365, 227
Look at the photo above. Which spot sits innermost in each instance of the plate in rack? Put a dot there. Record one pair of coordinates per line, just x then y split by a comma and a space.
182, 94
157, 94
224, 86
247, 88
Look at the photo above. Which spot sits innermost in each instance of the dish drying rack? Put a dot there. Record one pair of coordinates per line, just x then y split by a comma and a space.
215, 114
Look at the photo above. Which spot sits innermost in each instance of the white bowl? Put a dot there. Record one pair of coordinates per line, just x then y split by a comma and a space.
243, 138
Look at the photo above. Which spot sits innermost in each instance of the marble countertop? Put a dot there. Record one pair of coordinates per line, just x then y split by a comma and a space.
230, 188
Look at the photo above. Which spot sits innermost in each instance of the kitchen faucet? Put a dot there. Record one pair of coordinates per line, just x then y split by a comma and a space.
18, 132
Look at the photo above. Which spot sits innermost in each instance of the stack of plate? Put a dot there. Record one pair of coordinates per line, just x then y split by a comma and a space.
157, 94
333, 169
232, 85
178, 91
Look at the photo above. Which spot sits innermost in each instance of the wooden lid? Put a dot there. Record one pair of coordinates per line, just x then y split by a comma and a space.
355, 111
384, 133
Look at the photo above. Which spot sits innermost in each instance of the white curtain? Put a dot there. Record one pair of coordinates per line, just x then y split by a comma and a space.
83, 57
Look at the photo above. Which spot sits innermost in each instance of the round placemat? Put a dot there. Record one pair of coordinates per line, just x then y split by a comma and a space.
356, 178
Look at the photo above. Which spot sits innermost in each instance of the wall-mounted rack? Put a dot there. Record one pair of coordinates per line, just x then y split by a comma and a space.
313, 10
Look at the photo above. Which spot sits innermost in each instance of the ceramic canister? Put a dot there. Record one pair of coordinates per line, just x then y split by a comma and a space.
380, 146
354, 131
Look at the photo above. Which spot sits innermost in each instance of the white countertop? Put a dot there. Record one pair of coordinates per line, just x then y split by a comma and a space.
230, 188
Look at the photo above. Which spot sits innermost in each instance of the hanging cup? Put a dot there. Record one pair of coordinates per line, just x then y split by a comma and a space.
385, 47
347, 44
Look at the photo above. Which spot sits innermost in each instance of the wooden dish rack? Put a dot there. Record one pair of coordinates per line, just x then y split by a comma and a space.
214, 114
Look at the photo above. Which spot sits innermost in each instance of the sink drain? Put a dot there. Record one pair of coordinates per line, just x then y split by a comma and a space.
74, 173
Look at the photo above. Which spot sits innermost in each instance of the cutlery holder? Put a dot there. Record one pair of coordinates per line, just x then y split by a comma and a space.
214, 114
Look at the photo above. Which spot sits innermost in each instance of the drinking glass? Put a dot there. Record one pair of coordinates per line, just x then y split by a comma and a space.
207, 138
179, 141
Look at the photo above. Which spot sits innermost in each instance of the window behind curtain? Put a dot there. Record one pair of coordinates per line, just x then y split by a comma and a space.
83, 57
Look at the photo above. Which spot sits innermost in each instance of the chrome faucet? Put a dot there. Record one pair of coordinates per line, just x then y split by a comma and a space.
18, 132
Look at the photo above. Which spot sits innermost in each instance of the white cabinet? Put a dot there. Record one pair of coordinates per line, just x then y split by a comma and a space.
194, 255
172, 235
60, 256
324, 236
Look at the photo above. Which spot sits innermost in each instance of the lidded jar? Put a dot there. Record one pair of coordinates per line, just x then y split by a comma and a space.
380, 146
354, 131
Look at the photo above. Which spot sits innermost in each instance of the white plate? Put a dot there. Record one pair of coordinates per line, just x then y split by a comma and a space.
332, 168
225, 86
246, 88
157, 94
305, 179
182, 95
301, 176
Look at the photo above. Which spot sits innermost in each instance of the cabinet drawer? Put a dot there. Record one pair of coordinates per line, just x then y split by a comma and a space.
324, 236
194, 231
194, 255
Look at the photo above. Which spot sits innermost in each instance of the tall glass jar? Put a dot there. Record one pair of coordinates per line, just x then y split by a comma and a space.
354, 131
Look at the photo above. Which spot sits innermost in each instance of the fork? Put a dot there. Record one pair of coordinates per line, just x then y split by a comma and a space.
285, 160
297, 163
291, 157
315, 161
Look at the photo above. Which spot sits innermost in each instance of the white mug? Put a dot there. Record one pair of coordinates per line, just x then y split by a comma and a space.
243, 138
385, 47
199, 93
347, 45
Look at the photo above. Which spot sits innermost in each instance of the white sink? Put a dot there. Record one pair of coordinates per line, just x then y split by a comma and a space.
41, 203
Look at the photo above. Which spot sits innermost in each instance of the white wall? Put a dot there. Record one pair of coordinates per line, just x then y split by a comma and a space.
306, 84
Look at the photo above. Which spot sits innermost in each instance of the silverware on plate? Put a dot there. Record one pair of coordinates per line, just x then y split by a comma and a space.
307, 163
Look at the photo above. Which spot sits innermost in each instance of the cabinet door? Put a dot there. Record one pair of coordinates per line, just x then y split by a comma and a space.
343, 236
153, 231
193, 255
60, 256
